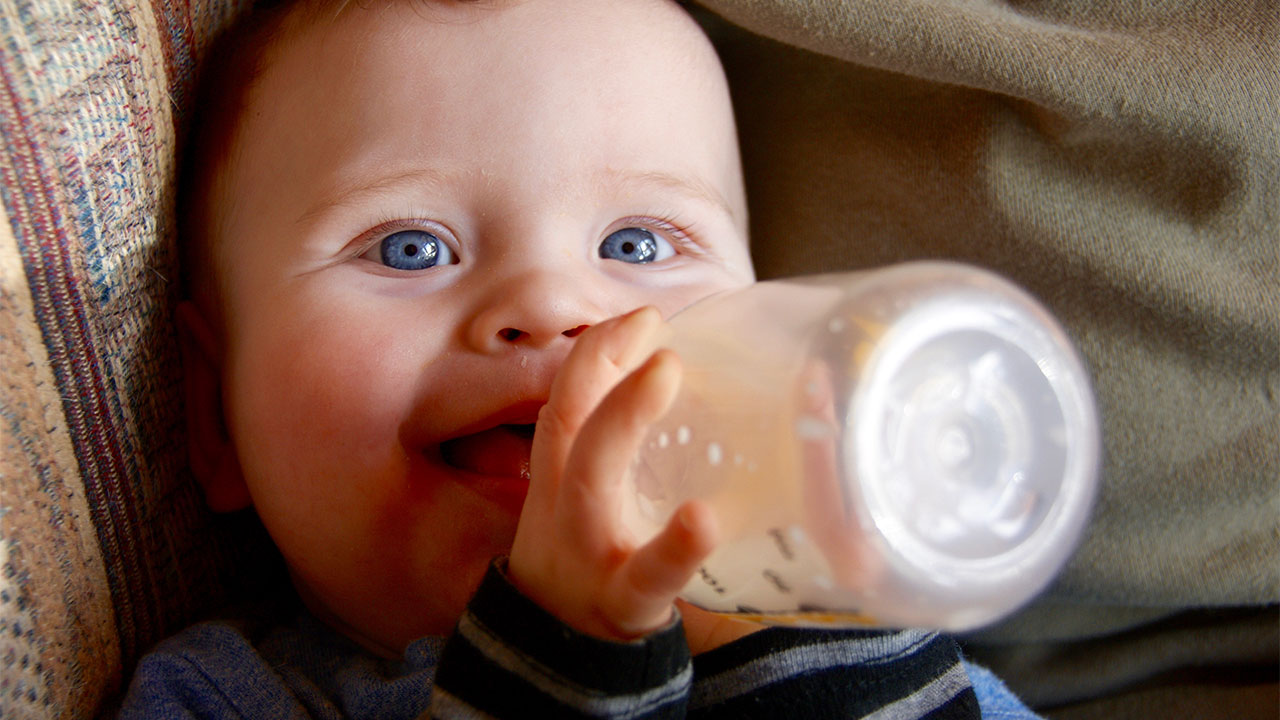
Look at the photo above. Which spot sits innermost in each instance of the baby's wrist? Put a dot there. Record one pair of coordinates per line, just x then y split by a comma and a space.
498, 593
533, 645
595, 624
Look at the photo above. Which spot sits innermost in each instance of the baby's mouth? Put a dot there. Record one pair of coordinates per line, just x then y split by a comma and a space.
499, 451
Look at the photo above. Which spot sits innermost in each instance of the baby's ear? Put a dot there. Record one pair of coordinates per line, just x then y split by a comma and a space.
212, 454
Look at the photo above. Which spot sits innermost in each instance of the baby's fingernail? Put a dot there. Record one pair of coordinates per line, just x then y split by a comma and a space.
688, 518
700, 525
682, 517
642, 310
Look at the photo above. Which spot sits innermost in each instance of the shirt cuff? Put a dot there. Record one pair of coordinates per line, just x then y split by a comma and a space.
508, 655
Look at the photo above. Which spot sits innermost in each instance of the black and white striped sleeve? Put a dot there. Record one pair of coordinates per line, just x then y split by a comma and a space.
510, 658
797, 674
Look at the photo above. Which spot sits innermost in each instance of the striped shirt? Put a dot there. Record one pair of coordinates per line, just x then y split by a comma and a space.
509, 658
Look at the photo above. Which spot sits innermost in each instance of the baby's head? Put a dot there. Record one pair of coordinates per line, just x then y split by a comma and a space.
418, 207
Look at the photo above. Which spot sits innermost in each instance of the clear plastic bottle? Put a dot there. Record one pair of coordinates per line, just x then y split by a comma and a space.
910, 446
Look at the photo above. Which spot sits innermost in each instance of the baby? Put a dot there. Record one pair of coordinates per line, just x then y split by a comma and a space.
417, 231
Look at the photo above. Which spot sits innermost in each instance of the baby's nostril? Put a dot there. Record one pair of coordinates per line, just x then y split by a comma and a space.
574, 331
510, 334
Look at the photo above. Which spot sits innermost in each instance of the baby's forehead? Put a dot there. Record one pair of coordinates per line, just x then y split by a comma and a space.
488, 56
405, 84
649, 23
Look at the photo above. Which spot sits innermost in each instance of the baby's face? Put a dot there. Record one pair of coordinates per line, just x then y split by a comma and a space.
424, 207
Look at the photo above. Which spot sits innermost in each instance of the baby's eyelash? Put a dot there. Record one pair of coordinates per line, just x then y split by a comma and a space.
389, 224
671, 225
393, 223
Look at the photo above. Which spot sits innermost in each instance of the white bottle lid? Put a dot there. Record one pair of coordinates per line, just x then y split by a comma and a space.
971, 442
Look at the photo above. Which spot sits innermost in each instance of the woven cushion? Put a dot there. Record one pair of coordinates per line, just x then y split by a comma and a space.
106, 545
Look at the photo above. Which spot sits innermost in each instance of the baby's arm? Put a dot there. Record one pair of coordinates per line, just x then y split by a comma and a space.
570, 555
579, 622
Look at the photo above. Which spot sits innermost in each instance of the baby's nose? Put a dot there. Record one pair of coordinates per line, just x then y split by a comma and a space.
537, 310
515, 335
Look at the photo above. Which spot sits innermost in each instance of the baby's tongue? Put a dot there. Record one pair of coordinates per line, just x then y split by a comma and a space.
503, 451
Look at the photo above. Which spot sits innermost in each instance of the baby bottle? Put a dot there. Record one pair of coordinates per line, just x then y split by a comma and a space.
914, 446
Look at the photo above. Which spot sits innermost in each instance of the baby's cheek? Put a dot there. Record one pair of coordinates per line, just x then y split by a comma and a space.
315, 403
320, 453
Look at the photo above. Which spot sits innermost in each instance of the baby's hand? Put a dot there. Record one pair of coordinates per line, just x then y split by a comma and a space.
570, 554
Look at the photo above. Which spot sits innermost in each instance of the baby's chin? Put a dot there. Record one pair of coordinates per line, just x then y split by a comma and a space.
424, 549
387, 623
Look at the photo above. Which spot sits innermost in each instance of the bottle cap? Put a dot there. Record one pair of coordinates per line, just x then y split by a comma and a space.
972, 437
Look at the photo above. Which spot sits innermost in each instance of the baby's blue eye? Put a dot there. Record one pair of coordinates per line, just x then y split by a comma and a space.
635, 245
414, 250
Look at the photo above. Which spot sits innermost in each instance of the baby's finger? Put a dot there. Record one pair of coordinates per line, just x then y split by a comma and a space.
604, 449
600, 356
658, 571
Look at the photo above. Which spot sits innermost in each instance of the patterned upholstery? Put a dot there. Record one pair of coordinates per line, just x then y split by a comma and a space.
105, 546
1117, 158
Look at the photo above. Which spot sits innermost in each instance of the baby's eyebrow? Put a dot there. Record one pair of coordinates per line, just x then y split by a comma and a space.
688, 185
624, 181
359, 190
